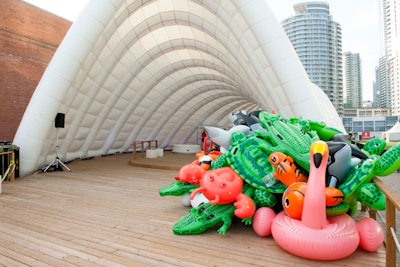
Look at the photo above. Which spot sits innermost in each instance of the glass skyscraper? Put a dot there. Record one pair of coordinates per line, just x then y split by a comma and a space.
352, 80
383, 97
317, 40
391, 16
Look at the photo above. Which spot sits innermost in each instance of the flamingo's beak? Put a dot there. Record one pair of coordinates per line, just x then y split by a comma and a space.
318, 150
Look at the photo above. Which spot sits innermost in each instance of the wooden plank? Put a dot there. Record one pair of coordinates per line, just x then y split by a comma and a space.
106, 212
392, 196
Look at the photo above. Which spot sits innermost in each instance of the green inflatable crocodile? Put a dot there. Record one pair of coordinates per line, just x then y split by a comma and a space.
177, 188
207, 216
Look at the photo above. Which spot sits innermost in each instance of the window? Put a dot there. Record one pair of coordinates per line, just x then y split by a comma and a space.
368, 126
357, 126
380, 126
347, 123
391, 120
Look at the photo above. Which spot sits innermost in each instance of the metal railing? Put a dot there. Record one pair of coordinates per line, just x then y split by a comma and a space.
8, 173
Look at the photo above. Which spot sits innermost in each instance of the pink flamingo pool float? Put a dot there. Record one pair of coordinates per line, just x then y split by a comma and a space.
317, 236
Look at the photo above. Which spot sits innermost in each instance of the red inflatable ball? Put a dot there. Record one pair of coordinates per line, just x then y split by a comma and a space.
371, 234
262, 221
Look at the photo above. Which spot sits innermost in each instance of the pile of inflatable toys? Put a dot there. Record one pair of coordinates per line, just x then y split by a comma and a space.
295, 179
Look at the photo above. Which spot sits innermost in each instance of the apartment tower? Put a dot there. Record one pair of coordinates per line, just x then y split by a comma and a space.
317, 40
391, 23
352, 80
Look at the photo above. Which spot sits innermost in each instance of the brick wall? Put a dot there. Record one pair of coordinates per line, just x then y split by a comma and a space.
29, 37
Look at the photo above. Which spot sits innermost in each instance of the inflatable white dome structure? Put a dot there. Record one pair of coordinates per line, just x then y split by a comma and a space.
157, 69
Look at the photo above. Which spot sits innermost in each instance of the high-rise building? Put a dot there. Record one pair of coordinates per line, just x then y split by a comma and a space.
352, 80
382, 98
317, 40
375, 88
391, 23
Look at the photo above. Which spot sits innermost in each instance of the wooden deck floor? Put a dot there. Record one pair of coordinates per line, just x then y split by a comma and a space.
106, 212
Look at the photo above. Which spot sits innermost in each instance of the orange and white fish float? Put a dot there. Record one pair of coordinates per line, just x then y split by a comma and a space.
286, 170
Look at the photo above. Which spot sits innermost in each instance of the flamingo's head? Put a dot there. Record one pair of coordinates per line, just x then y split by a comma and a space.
319, 154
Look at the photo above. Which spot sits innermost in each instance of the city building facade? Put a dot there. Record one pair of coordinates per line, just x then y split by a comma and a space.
365, 128
366, 111
391, 23
352, 80
317, 39
29, 37
383, 97
366, 123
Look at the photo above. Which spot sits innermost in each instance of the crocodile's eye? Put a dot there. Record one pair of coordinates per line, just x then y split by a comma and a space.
222, 185
201, 209
234, 150
209, 217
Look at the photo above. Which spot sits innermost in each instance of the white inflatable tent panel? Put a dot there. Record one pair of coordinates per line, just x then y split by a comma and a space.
393, 134
157, 69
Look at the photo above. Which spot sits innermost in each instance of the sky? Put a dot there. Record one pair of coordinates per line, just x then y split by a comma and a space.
68, 9
361, 21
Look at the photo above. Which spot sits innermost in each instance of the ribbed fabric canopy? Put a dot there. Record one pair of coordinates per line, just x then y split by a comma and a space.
159, 69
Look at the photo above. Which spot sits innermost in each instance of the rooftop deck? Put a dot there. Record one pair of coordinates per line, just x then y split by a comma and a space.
106, 212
